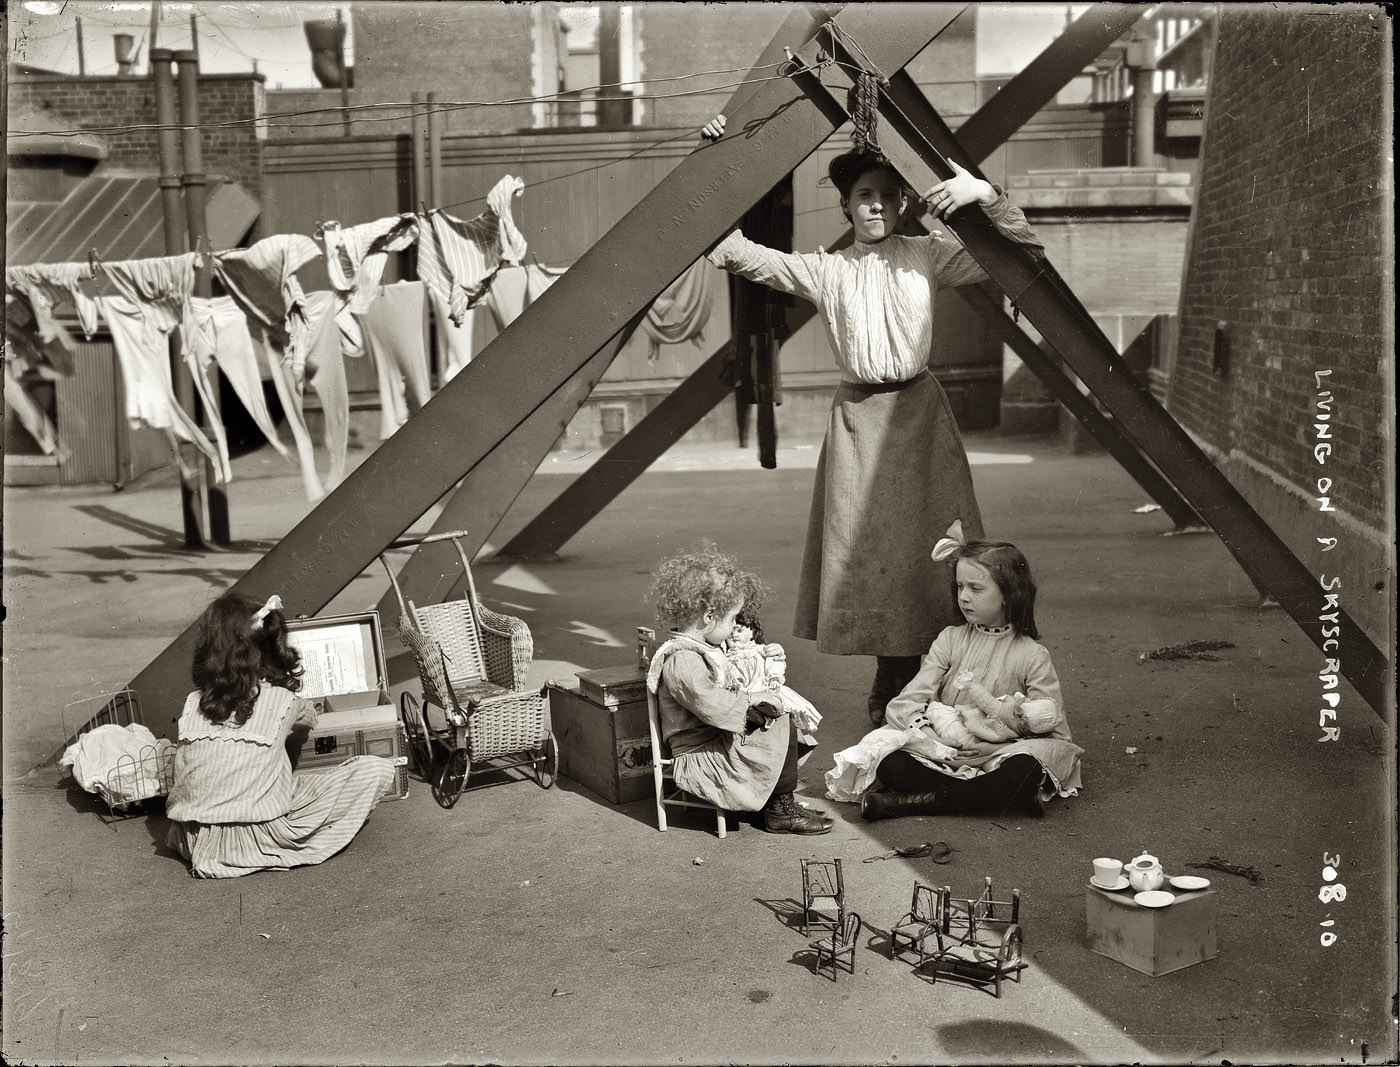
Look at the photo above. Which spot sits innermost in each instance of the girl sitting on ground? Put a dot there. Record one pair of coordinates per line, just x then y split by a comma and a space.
731, 747
234, 805
997, 651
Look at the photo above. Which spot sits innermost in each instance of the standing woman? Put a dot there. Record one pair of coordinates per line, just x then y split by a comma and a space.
893, 473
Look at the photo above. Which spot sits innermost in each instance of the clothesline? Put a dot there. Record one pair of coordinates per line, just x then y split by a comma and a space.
268, 327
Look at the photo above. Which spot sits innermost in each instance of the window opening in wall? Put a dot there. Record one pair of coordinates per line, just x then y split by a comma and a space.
596, 66
613, 420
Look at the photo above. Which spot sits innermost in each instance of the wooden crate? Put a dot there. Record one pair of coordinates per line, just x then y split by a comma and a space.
604, 744
1151, 940
361, 732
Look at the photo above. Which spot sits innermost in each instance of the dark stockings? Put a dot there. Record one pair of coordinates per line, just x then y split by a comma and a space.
1012, 787
787, 777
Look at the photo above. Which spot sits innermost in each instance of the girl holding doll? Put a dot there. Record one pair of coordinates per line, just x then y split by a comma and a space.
732, 747
994, 666
234, 805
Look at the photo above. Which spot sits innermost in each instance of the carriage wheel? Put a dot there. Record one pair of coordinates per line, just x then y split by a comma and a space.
453, 779
1009, 955
420, 749
547, 760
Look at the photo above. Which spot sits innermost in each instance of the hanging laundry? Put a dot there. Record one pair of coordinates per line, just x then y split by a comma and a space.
35, 336
394, 329
325, 372
54, 283
681, 311
261, 278
356, 255
143, 355
275, 359
457, 258
216, 333
517, 287
162, 286
454, 343
31, 416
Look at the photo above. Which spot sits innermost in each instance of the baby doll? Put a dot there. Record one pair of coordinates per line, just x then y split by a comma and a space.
760, 667
1000, 719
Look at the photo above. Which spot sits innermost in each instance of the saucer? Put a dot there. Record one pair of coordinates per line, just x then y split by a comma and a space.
1188, 882
1122, 883
1153, 898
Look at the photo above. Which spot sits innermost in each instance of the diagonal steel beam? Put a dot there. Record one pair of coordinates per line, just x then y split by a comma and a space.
1035, 86
596, 487
689, 209
432, 572
1046, 300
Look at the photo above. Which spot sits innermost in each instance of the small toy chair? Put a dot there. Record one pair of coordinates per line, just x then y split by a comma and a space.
977, 943
823, 894
842, 942
919, 922
667, 792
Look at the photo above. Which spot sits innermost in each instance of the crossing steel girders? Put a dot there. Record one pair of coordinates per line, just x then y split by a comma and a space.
773, 131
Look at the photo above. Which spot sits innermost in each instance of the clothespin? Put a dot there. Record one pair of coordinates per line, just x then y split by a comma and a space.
94, 263
422, 208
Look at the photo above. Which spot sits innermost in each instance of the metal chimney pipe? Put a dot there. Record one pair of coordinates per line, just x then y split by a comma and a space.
121, 45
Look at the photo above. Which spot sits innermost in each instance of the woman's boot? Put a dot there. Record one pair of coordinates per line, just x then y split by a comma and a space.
783, 815
893, 805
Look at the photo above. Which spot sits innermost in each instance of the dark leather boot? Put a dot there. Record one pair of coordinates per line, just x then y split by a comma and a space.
893, 805
783, 816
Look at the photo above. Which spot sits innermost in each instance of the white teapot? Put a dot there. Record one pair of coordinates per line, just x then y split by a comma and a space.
1144, 873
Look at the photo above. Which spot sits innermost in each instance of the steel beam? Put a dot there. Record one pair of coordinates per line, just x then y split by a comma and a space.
598, 486
433, 572
1046, 300
687, 212
1035, 86
1106, 431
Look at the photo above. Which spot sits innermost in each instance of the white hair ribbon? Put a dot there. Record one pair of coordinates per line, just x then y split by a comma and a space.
274, 603
950, 543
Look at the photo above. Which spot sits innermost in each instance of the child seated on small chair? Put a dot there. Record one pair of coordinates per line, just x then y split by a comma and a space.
730, 746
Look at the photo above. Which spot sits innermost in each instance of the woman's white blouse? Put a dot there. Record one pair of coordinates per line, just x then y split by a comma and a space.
876, 300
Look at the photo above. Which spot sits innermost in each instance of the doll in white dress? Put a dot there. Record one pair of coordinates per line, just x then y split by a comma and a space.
762, 667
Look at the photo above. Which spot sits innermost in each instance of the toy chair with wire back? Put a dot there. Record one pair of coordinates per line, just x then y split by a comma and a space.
914, 927
841, 942
977, 940
668, 794
823, 894
471, 665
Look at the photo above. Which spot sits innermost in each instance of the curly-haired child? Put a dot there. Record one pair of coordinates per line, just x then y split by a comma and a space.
731, 747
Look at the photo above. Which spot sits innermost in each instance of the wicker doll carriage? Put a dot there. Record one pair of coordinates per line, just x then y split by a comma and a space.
474, 707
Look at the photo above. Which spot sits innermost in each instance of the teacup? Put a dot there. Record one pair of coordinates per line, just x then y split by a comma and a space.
1107, 871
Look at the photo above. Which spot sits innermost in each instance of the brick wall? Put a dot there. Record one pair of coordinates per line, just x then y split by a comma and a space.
98, 102
1290, 250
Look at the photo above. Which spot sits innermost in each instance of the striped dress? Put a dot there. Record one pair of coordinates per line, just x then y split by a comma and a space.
892, 474
234, 805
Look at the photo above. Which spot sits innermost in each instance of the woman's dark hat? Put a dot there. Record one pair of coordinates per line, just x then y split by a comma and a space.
848, 166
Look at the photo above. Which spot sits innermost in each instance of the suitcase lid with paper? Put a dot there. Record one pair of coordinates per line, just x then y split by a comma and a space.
342, 659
